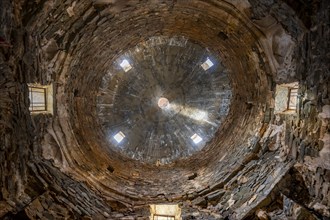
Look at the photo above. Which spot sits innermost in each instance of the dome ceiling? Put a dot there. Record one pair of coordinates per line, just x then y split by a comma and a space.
163, 99
138, 106
164, 102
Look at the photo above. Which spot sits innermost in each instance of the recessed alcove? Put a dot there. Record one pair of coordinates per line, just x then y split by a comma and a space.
286, 98
41, 98
165, 212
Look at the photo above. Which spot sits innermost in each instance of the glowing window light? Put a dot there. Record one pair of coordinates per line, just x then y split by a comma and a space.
196, 138
165, 212
38, 99
119, 136
125, 65
207, 64
293, 98
41, 98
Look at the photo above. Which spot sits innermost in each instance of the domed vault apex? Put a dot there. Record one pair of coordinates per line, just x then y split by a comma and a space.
163, 99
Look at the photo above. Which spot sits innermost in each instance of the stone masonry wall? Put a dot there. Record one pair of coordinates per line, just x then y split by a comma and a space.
285, 172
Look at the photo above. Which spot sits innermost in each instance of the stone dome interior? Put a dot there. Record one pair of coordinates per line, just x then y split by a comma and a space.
163, 100
220, 107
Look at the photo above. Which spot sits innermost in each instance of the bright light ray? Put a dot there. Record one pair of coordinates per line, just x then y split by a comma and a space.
192, 113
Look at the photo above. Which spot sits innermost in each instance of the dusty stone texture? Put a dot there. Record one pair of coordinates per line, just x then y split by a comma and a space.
30, 186
259, 165
76, 93
291, 15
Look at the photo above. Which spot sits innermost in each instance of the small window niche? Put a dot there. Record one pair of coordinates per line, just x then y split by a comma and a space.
119, 137
196, 138
286, 98
165, 212
125, 65
41, 98
207, 64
